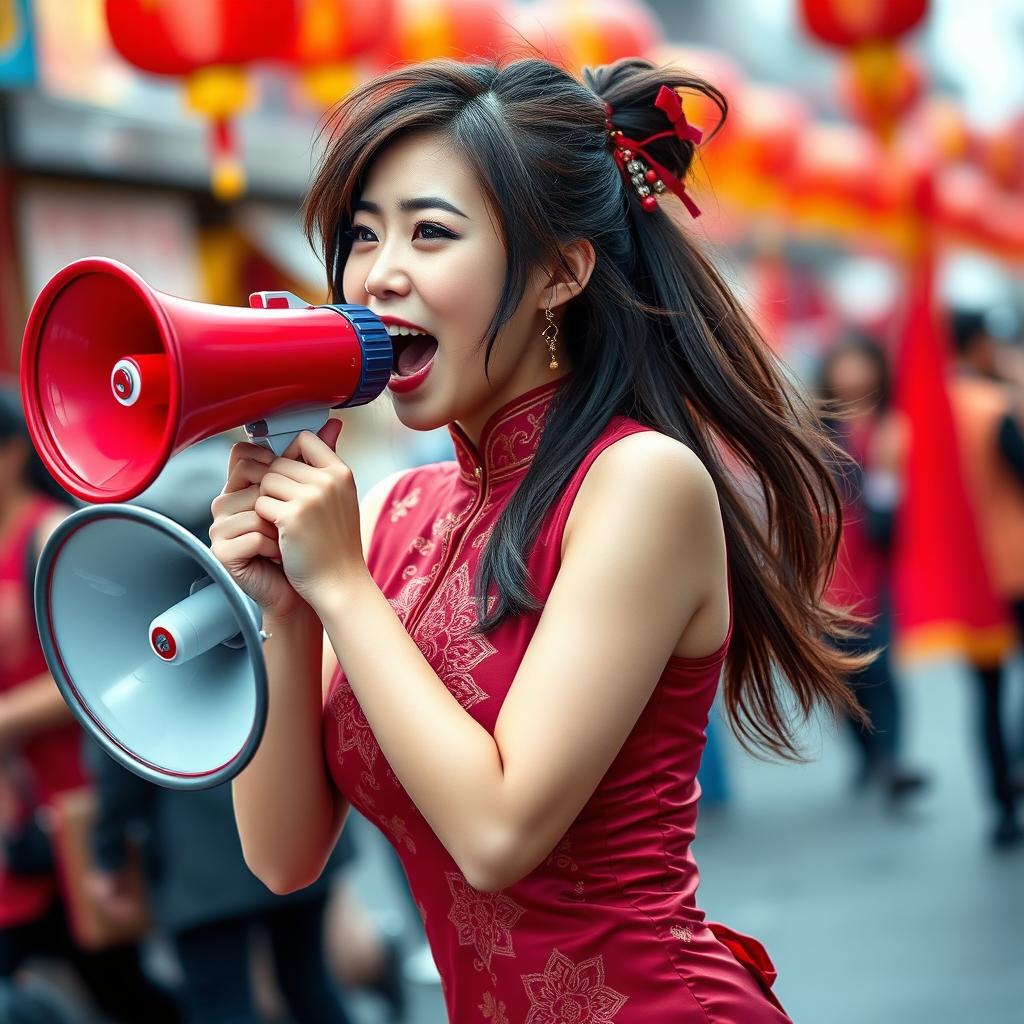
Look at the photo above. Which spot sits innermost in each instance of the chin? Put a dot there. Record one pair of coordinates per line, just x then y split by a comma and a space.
417, 414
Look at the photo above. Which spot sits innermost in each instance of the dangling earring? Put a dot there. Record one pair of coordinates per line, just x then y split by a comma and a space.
550, 334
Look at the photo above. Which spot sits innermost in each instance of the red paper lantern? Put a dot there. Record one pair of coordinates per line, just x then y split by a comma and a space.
849, 23
1002, 153
330, 34
458, 29
585, 33
167, 37
208, 43
880, 84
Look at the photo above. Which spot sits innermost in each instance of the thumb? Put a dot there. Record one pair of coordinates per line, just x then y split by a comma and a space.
330, 432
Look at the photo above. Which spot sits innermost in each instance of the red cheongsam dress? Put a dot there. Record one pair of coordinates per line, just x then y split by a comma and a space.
606, 930
50, 758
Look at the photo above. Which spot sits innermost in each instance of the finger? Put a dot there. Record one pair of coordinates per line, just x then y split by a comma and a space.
270, 508
328, 433
295, 470
277, 485
240, 524
246, 547
247, 450
313, 451
229, 503
244, 472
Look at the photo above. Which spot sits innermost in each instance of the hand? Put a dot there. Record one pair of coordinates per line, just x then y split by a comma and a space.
244, 542
314, 508
115, 896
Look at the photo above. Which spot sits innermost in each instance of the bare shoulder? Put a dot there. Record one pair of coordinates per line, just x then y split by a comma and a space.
651, 478
648, 514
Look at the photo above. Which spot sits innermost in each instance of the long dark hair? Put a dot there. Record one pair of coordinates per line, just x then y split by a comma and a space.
656, 335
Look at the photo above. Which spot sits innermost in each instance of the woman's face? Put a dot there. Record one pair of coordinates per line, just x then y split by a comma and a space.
426, 251
854, 379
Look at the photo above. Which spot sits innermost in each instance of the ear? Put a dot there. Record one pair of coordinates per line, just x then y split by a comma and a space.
570, 277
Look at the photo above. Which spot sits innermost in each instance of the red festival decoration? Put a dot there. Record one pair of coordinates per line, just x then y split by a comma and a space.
943, 598
881, 80
585, 33
330, 34
458, 29
208, 43
847, 24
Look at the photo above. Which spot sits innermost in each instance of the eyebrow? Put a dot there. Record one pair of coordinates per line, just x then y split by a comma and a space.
410, 205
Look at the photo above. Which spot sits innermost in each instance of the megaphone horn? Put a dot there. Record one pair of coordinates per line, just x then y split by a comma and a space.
159, 656
118, 377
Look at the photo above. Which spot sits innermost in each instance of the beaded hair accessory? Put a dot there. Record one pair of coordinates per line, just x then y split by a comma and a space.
639, 168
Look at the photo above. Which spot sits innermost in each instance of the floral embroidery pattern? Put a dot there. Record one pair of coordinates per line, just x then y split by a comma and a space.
561, 859
683, 934
445, 634
408, 596
568, 992
354, 731
421, 545
493, 1009
509, 450
399, 831
484, 920
400, 506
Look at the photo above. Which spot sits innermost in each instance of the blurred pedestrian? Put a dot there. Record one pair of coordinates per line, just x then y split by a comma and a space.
854, 388
988, 420
40, 752
208, 901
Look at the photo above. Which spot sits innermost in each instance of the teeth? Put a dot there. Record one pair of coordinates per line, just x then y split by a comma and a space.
395, 331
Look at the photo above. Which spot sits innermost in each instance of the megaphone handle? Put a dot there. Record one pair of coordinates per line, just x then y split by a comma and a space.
278, 431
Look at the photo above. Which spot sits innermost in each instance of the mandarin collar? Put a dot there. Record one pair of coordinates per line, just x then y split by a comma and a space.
509, 438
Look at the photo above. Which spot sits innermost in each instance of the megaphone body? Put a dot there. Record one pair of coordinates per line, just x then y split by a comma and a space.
156, 650
117, 377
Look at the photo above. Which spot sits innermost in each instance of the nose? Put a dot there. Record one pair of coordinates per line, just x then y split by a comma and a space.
386, 277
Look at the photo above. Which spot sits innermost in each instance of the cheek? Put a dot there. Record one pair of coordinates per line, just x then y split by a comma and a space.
353, 281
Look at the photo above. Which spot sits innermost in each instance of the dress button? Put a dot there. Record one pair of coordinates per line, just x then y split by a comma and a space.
477, 472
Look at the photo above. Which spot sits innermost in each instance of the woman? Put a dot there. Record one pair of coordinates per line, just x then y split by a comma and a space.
855, 384
532, 756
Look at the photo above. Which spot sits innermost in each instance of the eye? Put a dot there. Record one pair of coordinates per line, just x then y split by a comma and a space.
430, 232
361, 233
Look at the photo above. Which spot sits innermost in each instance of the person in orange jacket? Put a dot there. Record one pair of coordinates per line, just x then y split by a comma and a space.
987, 411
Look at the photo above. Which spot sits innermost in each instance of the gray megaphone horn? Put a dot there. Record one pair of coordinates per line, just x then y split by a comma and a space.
156, 650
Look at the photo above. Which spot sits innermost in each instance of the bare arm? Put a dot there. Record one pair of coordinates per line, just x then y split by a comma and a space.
619, 606
36, 704
289, 814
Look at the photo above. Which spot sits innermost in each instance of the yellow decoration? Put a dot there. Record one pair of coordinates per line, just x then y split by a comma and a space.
10, 25
587, 47
426, 31
218, 92
227, 179
321, 23
327, 84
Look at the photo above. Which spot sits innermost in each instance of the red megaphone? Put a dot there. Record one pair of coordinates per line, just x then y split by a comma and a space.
117, 377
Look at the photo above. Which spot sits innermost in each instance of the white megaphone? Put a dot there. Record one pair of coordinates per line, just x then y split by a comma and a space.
154, 647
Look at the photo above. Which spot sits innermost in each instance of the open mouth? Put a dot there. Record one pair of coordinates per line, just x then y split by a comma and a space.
412, 351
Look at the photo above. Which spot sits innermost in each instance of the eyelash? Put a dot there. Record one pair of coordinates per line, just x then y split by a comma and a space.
353, 232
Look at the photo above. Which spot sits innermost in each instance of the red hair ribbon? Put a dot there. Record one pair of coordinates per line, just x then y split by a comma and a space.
644, 173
